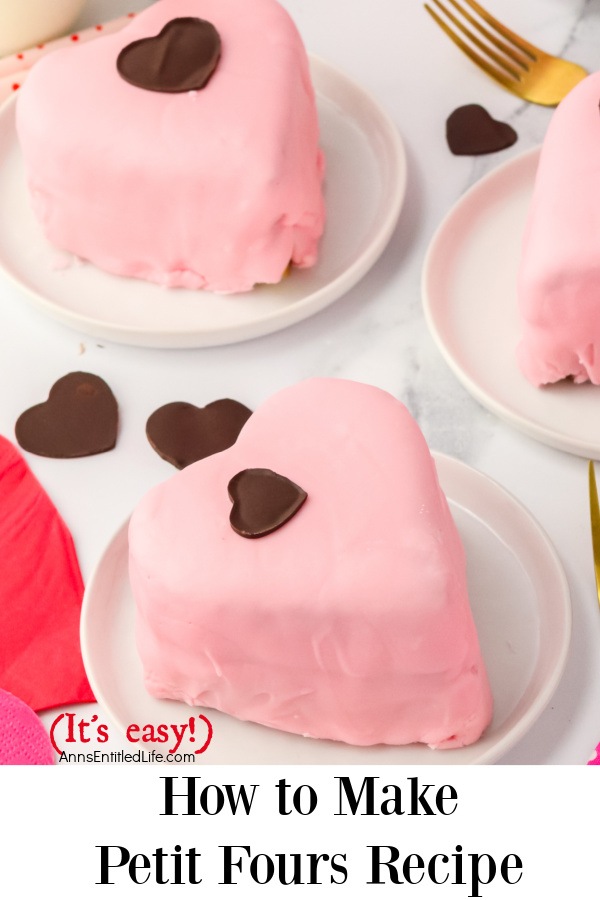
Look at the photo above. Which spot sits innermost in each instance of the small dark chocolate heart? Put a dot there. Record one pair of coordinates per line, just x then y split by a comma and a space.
182, 57
471, 131
262, 501
79, 418
183, 433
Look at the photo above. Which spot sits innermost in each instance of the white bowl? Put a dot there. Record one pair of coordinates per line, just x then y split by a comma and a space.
24, 23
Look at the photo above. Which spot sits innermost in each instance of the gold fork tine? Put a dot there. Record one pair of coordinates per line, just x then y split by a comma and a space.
499, 60
509, 59
595, 519
525, 52
480, 61
516, 39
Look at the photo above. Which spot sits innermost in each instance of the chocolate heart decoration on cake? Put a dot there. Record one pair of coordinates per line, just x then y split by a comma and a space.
471, 131
183, 433
262, 501
79, 418
41, 591
182, 57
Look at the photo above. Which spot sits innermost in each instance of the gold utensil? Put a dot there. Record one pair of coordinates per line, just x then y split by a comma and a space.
520, 67
595, 519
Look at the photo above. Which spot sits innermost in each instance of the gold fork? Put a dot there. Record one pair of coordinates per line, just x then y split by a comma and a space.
595, 520
520, 67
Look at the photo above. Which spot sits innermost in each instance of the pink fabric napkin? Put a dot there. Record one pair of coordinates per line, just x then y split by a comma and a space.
23, 739
595, 760
41, 590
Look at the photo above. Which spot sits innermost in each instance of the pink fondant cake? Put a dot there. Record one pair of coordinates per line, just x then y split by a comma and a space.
148, 171
559, 274
349, 617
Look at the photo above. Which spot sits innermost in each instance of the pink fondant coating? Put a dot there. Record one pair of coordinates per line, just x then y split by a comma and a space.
218, 188
559, 274
352, 620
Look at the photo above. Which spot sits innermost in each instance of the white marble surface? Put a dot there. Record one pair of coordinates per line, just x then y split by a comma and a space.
376, 333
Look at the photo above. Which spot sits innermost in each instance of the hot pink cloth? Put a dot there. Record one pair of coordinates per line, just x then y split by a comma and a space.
23, 740
41, 590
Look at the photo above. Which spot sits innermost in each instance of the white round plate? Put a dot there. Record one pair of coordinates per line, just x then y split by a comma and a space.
364, 188
470, 302
521, 605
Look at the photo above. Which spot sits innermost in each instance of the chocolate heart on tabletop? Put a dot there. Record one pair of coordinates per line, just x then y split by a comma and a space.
79, 418
183, 433
41, 590
471, 131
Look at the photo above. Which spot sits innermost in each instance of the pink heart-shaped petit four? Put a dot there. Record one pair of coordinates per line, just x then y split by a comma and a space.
351, 620
559, 273
182, 149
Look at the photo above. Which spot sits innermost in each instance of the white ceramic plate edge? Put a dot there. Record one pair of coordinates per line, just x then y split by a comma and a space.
437, 239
